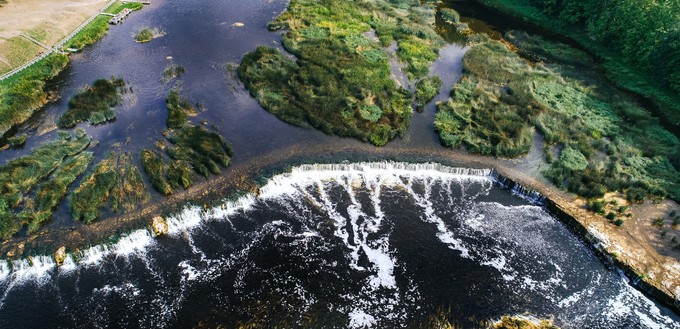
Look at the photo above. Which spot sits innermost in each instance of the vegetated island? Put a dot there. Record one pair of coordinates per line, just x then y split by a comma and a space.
94, 103
147, 34
339, 80
24, 93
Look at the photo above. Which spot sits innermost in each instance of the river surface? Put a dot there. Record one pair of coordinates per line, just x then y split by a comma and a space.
352, 245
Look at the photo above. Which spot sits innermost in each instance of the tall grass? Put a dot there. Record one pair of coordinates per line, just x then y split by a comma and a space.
21, 177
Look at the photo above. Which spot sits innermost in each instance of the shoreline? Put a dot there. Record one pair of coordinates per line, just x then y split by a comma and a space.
36, 71
246, 177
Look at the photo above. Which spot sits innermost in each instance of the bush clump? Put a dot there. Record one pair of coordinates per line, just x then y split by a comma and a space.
340, 77
152, 163
426, 90
95, 104
179, 109
203, 149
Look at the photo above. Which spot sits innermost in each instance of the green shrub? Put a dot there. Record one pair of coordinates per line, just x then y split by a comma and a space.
203, 149
115, 182
426, 90
94, 103
179, 109
152, 163
573, 159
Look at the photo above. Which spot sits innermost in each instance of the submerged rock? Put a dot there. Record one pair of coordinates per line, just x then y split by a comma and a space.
60, 255
159, 226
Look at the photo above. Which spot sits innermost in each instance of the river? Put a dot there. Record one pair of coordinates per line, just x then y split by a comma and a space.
380, 244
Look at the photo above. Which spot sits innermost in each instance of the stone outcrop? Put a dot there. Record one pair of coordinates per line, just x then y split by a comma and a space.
60, 256
159, 226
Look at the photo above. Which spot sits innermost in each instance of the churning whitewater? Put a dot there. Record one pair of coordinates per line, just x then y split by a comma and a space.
341, 245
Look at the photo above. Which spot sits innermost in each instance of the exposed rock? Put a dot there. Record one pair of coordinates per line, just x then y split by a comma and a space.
159, 226
60, 255
10, 254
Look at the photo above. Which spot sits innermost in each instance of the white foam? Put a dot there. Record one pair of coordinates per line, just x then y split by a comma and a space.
136, 242
68, 265
360, 319
189, 272
94, 255
4, 270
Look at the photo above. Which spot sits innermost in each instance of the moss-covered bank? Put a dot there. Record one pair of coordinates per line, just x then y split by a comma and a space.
596, 138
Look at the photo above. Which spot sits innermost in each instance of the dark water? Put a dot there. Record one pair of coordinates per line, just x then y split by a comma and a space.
382, 245
326, 246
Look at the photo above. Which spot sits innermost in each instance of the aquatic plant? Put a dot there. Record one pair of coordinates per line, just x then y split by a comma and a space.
203, 149
94, 103
50, 193
179, 109
426, 90
114, 182
152, 163
147, 34
52, 165
172, 71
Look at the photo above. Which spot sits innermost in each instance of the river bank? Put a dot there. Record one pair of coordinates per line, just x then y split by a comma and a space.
659, 99
25, 93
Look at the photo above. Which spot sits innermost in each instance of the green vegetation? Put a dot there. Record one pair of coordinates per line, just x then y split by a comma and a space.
49, 170
340, 79
114, 183
172, 71
23, 94
607, 142
17, 141
193, 147
179, 109
147, 34
98, 27
426, 90
50, 193
637, 41
152, 163
452, 17
203, 149
94, 103
541, 50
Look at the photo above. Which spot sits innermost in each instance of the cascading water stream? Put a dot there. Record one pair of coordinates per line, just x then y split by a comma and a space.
381, 244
